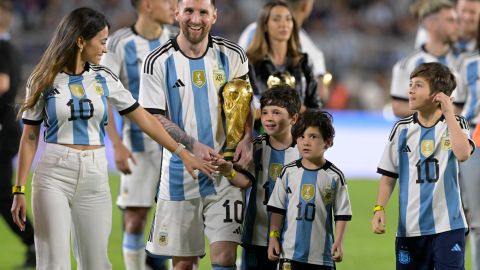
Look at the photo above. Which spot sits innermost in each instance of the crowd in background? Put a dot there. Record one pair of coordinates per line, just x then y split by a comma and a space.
361, 40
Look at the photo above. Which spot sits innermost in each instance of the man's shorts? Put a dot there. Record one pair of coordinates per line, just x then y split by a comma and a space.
179, 227
139, 188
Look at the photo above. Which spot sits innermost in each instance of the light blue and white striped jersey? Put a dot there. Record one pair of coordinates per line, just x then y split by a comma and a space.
308, 199
126, 52
468, 89
187, 90
75, 108
268, 163
427, 170
404, 67
308, 47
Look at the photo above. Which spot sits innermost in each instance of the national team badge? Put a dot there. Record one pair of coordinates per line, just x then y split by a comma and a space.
218, 78
446, 145
274, 170
327, 195
427, 148
308, 192
98, 88
198, 78
77, 90
287, 266
404, 257
163, 237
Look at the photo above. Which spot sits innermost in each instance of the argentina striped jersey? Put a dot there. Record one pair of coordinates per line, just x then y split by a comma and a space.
427, 170
74, 109
187, 90
310, 200
268, 163
126, 52
468, 89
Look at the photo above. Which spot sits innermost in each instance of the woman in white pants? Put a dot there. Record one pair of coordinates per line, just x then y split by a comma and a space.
68, 91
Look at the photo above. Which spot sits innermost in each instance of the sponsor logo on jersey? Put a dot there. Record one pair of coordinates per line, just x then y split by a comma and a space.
198, 78
77, 90
446, 145
274, 170
427, 148
308, 192
98, 88
218, 77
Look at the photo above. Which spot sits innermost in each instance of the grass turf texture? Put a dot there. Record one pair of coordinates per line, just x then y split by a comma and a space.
362, 249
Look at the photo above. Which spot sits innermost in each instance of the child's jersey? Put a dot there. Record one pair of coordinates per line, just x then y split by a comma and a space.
427, 170
187, 90
311, 201
268, 163
74, 109
126, 53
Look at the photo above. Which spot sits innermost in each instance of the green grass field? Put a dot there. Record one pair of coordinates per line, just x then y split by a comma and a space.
363, 249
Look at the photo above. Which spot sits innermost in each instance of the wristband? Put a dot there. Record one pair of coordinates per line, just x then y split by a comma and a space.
179, 149
18, 189
232, 174
377, 208
274, 234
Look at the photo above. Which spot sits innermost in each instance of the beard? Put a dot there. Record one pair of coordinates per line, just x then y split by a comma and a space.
195, 37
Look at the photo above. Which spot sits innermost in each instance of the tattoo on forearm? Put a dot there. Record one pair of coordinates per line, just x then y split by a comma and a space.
32, 137
177, 133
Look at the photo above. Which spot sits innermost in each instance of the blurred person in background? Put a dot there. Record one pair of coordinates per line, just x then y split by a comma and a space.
127, 49
301, 10
439, 18
275, 52
467, 101
10, 132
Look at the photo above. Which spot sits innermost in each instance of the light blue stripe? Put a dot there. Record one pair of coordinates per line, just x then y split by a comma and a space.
133, 241
224, 64
304, 228
250, 36
403, 180
472, 79
51, 132
452, 193
133, 75
420, 61
106, 92
80, 126
176, 188
327, 248
442, 60
277, 157
203, 119
218, 267
426, 219
153, 44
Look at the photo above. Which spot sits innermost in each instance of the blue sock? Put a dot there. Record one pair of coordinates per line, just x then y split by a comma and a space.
133, 241
219, 267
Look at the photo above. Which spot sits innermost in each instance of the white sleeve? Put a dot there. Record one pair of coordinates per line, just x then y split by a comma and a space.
389, 162
152, 90
34, 115
314, 53
400, 82
460, 93
120, 97
342, 209
278, 198
247, 35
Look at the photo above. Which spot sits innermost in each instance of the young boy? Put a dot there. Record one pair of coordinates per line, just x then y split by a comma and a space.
306, 193
423, 153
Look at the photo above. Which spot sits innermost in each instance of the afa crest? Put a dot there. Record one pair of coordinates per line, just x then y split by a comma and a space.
219, 78
308, 192
274, 170
287, 266
163, 237
198, 78
77, 90
327, 195
446, 144
98, 88
427, 148
404, 257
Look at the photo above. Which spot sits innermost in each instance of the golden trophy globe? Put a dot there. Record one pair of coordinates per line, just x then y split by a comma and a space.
281, 78
237, 95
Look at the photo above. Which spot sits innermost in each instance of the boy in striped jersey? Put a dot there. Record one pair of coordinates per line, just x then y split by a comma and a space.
127, 49
271, 151
306, 194
423, 152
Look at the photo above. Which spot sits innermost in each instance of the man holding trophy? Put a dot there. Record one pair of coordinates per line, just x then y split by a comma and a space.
183, 80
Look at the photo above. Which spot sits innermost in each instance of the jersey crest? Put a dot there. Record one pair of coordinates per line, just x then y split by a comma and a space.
446, 145
308, 192
77, 90
198, 78
98, 88
218, 77
275, 170
427, 148
327, 195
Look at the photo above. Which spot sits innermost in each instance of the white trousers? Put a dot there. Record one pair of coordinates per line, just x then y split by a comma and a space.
71, 197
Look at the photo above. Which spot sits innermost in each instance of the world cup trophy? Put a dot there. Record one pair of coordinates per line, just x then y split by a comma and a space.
237, 95
281, 78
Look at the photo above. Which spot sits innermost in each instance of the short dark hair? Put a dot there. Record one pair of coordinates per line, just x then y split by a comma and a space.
315, 118
438, 76
282, 96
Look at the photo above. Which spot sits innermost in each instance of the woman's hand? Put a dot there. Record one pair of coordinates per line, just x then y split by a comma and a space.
19, 211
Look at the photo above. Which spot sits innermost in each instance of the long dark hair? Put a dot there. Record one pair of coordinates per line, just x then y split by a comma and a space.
61, 52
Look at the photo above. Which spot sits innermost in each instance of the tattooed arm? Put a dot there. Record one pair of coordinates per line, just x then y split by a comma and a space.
198, 149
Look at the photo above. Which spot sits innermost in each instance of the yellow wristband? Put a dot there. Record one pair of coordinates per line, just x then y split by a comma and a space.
274, 234
377, 208
18, 189
232, 174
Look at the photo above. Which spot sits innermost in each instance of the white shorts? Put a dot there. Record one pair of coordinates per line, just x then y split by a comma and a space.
179, 227
139, 188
